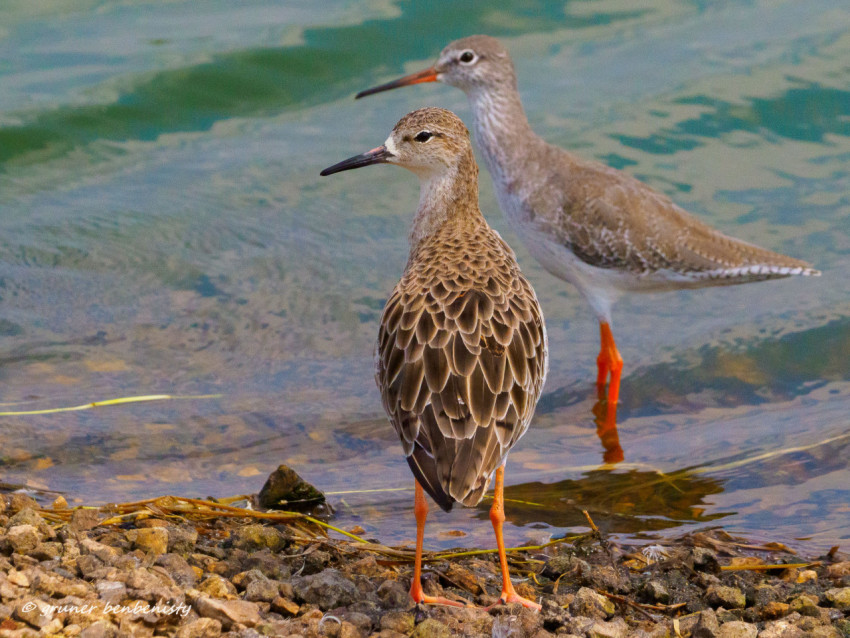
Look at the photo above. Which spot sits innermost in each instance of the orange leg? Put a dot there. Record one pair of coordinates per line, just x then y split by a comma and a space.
420, 510
497, 517
609, 360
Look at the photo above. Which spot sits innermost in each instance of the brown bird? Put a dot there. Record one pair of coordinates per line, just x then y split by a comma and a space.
462, 351
598, 228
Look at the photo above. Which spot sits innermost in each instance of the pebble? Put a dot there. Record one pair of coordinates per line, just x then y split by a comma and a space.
262, 590
399, 621
728, 597
327, 589
227, 612
285, 607
23, 538
151, 539
655, 592
255, 537
217, 587
200, 628
83, 520
591, 604
705, 560
737, 629
616, 628
431, 628
707, 625
393, 594
838, 598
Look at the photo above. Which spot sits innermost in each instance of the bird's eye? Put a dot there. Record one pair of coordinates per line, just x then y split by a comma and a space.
466, 57
424, 136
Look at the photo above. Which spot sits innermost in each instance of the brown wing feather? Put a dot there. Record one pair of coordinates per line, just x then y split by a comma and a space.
461, 361
609, 219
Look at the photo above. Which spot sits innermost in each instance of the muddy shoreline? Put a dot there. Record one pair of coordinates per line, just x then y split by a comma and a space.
190, 569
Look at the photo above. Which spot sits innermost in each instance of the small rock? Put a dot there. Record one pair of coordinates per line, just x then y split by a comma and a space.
104, 552
805, 605
33, 611
588, 603
91, 567
780, 629
463, 577
393, 594
217, 587
431, 628
836, 570
563, 564
705, 560
82, 520
28, 516
262, 590
347, 630
178, 569
654, 591
112, 592
18, 578
200, 628
616, 628
23, 538
327, 589
773, 610
764, 594
284, 489
59, 503
152, 540
737, 629
805, 575
255, 537
728, 597
99, 629
47, 551
285, 607
838, 598
707, 625
605, 577
17, 501
182, 538
269, 563
243, 579
399, 621
228, 612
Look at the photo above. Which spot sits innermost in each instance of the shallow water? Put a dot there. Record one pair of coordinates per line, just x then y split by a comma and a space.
164, 230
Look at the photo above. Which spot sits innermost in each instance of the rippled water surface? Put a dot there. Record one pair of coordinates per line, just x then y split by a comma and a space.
163, 229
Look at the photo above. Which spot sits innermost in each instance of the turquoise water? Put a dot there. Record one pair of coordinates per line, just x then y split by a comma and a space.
163, 229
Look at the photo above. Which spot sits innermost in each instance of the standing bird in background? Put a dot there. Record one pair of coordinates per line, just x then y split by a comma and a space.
462, 351
598, 228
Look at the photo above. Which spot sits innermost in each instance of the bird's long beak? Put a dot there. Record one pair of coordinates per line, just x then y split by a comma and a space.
378, 155
427, 75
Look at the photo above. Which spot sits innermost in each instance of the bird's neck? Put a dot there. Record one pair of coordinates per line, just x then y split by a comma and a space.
501, 126
446, 197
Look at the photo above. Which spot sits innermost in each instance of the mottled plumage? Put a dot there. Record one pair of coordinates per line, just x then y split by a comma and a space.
461, 358
462, 353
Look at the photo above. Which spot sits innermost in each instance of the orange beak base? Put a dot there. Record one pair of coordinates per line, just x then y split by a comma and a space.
427, 75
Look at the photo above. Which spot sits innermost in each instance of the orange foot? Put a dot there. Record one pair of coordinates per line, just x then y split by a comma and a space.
513, 597
420, 598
